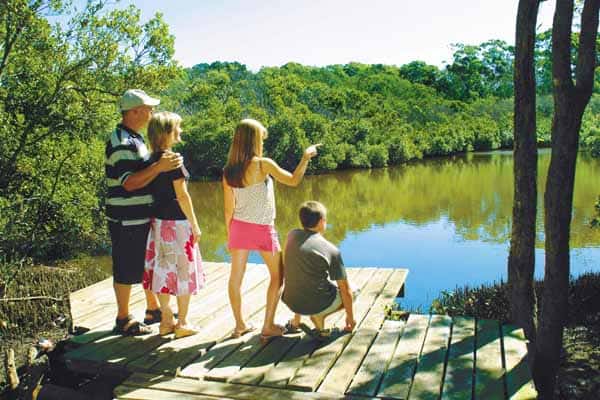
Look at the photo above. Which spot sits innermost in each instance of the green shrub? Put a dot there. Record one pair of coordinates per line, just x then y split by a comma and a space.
492, 302
485, 301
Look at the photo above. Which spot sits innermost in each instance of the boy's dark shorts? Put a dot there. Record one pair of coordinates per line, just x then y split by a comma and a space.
128, 251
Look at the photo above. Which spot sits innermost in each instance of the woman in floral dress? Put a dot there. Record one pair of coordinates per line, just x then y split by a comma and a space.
173, 262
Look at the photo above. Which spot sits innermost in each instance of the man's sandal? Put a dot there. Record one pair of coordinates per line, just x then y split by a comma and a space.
128, 326
291, 328
319, 335
155, 316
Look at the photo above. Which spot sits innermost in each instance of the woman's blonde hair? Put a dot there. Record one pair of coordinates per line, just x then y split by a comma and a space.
160, 126
247, 143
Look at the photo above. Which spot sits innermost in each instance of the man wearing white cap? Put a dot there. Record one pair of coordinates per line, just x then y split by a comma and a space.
129, 205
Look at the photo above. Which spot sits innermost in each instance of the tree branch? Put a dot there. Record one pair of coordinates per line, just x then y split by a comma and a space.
12, 299
561, 46
586, 58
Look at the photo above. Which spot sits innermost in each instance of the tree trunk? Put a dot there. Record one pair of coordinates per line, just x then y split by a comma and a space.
521, 258
570, 101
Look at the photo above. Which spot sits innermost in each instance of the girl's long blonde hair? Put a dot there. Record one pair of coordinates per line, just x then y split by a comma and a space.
247, 143
160, 126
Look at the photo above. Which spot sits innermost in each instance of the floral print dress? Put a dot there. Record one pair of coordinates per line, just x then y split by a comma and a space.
173, 261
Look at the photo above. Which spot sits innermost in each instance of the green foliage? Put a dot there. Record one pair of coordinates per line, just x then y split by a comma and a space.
491, 301
590, 127
595, 222
486, 301
365, 115
58, 88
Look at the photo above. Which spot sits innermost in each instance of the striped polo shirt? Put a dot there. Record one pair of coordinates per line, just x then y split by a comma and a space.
126, 153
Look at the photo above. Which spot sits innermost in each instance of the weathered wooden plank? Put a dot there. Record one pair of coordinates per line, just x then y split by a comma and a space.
82, 294
104, 313
376, 315
315, 367
178, 353
97, 308
86, 300
134, 393
200, 367
232, 368
398, 377
209, 360
104, 308
458, 383
488, 361
427, 382
232, 364
133, 347
101, 306
280, 374
250, 366
342, 372
219, 389
104, 348
367, 379
340, 375
253, 372
95, 347
226, 346
519, 383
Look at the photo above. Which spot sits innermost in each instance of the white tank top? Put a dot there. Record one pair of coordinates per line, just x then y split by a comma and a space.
255, 203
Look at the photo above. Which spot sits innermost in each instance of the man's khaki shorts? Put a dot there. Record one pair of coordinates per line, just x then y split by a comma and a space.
336, 304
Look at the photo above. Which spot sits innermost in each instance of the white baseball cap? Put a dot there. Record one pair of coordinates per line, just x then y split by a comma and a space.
133, 98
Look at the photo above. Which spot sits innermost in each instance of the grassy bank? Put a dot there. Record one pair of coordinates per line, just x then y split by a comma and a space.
34, 303
579, 374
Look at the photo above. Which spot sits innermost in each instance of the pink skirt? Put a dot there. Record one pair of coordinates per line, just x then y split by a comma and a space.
249, 236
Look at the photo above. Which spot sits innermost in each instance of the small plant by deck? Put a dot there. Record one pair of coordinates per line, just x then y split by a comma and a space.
485, 301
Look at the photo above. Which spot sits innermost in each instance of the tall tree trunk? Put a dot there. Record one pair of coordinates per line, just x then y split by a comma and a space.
521, 258
570, 101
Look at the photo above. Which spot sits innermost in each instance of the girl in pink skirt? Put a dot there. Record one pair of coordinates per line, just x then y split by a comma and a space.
173, 263
250, 217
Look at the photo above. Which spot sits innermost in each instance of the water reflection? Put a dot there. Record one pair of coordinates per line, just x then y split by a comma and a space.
472, 192
447, 219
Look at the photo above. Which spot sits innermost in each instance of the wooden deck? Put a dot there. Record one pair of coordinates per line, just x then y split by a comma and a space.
421, 358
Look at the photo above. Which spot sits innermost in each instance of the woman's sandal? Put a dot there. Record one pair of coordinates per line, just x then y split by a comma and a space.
164, 329
182, 331
128, 326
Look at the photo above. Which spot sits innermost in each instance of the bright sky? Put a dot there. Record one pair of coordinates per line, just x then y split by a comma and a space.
322, 32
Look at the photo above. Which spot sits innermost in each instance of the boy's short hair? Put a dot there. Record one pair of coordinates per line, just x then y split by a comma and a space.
311, 212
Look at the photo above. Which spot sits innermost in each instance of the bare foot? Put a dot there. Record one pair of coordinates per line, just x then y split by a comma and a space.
274, 330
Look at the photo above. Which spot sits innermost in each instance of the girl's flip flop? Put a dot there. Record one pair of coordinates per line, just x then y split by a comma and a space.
236, 334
